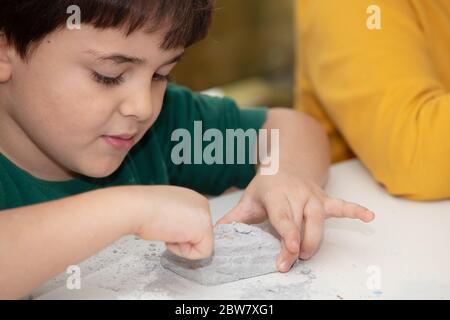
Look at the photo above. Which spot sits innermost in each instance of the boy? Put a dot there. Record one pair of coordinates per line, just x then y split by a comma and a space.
85, 142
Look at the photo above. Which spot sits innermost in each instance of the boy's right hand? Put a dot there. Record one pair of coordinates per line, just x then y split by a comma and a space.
180, 217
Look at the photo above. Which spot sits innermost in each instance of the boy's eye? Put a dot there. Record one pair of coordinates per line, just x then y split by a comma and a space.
107, 81
110, 81
160, 77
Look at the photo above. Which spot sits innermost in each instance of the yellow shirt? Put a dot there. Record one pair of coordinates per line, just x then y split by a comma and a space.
385, 91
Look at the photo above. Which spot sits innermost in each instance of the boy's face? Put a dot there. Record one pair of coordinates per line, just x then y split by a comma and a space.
79, 90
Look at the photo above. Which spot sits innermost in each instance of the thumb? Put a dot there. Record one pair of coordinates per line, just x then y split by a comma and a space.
243, 213
235, 215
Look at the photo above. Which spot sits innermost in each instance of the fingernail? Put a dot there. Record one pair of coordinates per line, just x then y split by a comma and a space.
304, 256
284, 266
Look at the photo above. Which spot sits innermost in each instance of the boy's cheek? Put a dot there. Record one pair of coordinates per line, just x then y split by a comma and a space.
155, 117
157, 105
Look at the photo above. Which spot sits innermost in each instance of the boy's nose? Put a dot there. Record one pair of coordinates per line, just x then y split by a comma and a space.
138, 105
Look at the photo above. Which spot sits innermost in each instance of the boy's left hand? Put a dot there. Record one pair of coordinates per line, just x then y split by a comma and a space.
297, 208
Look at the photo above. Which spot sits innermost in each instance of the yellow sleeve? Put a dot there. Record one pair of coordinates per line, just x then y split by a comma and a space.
383, 92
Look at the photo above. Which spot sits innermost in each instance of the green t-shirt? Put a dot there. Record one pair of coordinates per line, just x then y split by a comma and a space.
149, 162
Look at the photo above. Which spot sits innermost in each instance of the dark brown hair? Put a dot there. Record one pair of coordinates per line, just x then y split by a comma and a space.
27, 22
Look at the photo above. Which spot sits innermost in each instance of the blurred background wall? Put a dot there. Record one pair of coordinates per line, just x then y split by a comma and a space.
248, 55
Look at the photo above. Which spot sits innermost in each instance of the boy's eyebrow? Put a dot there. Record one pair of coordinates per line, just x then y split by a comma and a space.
118, 58
177, 58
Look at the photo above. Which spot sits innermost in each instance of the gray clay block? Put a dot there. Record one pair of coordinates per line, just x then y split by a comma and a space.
241, 251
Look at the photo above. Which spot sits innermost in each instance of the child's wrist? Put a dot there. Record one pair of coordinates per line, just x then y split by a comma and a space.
120, 205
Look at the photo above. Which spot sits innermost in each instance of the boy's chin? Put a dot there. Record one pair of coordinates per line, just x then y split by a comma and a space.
100, 170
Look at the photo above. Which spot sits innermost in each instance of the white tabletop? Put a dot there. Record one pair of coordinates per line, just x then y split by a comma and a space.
403, 254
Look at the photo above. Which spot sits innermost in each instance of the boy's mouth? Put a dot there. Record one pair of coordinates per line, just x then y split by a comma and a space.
121, 142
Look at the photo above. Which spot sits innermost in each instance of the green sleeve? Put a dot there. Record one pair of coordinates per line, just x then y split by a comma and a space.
181, 109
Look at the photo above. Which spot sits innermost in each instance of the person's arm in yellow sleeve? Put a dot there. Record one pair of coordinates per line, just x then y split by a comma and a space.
382, 90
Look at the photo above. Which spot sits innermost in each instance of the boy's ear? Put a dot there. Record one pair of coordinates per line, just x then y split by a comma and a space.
5, 61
